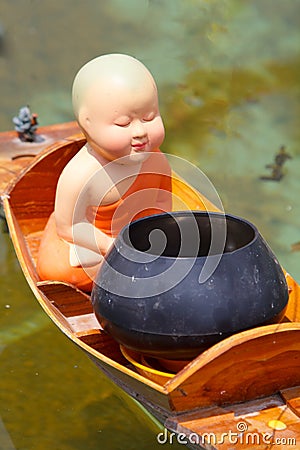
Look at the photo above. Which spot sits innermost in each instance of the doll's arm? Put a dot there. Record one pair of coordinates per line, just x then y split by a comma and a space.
72, 199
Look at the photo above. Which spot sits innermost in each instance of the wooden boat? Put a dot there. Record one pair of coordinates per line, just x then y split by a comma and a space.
245, 390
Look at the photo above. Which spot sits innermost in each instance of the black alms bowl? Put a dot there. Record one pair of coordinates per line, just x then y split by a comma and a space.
174, 284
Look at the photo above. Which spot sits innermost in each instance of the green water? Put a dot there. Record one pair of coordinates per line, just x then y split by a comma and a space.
228, 76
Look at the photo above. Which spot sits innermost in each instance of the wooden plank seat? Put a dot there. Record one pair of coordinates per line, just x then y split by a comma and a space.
75, 307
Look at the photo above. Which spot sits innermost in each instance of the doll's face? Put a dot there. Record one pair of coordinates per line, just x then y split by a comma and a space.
123, 120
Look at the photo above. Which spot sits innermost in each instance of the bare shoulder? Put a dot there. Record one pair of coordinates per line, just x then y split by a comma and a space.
79, 172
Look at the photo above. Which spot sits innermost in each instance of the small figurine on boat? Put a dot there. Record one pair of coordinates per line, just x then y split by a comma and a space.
26, 124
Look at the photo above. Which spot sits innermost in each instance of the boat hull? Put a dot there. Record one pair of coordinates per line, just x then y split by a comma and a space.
252, 376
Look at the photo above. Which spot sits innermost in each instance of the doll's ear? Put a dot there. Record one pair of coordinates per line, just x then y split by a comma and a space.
84, 119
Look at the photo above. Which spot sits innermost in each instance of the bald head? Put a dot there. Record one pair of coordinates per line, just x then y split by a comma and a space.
106, 74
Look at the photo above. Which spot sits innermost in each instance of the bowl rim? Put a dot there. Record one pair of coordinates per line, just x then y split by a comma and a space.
121, 242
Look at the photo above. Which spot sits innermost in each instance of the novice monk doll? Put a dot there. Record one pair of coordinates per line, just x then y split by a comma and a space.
118, 176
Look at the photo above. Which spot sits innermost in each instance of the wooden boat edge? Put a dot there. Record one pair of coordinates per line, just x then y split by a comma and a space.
229, 344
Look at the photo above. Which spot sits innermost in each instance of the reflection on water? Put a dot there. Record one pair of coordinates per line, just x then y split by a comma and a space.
228, 75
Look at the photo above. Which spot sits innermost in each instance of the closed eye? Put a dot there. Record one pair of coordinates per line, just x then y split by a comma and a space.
148, 118
123, 124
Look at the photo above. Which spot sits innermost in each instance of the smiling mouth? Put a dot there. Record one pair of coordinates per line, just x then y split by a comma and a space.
140, 146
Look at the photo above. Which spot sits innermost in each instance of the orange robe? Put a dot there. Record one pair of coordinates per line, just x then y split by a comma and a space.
139, 201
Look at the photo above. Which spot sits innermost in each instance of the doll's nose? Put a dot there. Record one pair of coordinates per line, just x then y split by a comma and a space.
139, 129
